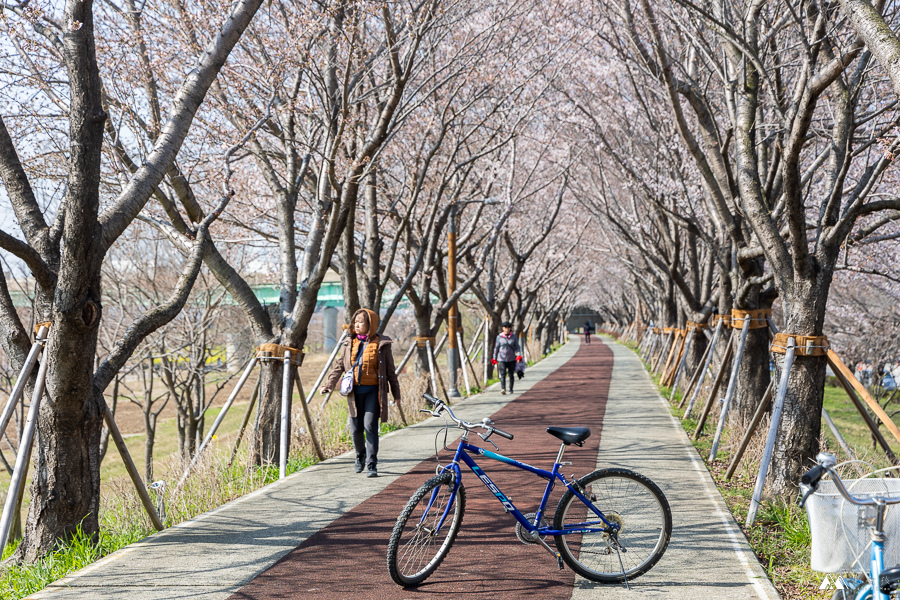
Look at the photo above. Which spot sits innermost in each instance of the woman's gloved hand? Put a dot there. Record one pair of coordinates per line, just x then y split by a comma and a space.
493, 361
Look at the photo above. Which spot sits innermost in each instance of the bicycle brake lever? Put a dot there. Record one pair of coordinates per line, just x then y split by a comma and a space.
806, 492
485, 438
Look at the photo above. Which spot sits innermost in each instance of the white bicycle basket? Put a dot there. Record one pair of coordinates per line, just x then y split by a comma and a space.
841, 532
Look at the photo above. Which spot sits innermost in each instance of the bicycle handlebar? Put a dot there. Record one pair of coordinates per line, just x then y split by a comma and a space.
826, 463
487, 425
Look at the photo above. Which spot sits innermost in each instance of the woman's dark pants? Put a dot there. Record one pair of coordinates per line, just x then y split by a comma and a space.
507, 367
366, 398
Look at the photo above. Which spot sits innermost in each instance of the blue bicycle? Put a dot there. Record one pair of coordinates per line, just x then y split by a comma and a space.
881, 583
610, 526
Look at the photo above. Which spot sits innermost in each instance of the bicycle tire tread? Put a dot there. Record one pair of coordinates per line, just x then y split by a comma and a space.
445, 478
599, 474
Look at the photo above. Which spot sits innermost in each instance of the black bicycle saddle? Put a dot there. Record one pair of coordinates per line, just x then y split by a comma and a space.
570, 435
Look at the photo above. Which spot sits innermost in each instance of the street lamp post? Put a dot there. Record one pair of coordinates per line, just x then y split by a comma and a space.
453, 314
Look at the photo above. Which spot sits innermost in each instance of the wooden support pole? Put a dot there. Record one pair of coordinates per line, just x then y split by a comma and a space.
676, 343
129, 466
669, 373
465, 359
403, 362
434, 387
838, 365
660, 352
651, 350
687, 348
695, 377
867, 418
23, 455
308, 417
651, 346
19, 388
773, 432
220, 417
761, 409
440, 378
730, 393
486, 357
708, 361
474, 373
244, 422
326, 368
715, 390
481, 326
642, 347
440, 344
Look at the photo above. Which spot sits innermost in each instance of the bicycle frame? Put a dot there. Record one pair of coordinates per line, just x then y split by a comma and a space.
462, 455
876, 566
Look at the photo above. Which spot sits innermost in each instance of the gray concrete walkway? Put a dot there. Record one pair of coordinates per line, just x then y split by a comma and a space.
708, 556
214, 555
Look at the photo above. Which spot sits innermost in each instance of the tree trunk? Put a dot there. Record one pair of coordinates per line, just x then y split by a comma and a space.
753, 377
347, 255
493, 330
798, 441
65, 487
266, 450
694, 356
423, 329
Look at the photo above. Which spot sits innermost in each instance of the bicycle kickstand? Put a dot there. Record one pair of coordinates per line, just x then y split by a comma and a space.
559, 560
621, 564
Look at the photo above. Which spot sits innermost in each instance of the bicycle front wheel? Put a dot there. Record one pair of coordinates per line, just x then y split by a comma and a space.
625, 498
417, 547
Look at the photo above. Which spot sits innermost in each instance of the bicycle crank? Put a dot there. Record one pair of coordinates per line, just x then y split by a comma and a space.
532, 537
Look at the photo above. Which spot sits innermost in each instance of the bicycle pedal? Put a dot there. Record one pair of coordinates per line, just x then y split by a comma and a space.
560, 563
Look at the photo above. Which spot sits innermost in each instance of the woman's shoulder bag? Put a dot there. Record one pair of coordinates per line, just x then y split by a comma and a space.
347, 378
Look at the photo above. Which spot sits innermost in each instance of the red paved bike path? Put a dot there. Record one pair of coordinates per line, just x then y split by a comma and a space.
347, 558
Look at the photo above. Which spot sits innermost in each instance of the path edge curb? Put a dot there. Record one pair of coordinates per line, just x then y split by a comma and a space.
746, 556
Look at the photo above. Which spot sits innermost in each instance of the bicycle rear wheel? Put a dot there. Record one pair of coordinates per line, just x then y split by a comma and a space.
628, 499
415, 549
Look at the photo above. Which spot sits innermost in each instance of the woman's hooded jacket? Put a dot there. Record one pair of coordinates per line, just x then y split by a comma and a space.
387, 373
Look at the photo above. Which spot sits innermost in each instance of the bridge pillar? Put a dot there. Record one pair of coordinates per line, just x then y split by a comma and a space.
329, 321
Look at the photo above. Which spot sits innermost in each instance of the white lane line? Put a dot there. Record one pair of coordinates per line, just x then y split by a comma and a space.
726, 519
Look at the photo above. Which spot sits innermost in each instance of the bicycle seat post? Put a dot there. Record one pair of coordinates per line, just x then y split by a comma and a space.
562, 450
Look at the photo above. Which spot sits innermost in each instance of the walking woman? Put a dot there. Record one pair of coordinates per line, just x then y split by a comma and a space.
369, 357
506, 353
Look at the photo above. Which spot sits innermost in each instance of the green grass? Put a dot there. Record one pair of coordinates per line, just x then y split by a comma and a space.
79, 552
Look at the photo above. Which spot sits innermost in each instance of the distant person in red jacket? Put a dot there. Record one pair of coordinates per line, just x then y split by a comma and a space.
506, 353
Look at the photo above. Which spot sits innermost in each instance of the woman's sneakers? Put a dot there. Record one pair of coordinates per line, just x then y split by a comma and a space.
371, 471
358, 467
502, 392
